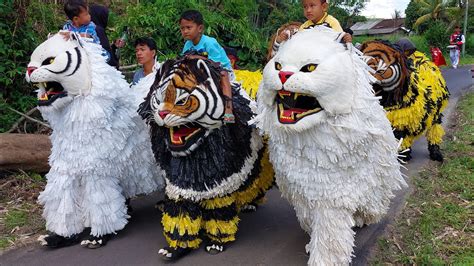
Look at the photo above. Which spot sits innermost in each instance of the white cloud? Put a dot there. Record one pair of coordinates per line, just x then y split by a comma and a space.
384, 8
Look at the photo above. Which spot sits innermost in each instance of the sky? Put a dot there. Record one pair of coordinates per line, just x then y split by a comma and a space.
384, 8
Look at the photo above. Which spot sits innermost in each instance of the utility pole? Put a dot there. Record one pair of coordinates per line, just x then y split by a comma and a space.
466, 6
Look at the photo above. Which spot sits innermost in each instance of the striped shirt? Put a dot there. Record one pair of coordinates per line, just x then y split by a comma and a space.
84, 29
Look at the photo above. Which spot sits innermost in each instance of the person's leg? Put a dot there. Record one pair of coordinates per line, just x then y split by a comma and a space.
452, 56
227, 91
458, 56
182, 222
220, 219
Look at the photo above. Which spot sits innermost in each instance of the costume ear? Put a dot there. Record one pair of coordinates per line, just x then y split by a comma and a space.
75, 37
205, 69
340, 36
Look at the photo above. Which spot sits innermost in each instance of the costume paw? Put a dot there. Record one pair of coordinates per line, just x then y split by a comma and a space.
94, 242
214, 248
170, 254
435, 153
252, 207
405, 155
57, 241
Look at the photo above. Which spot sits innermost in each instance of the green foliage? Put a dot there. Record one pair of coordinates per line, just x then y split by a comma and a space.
23, 25
16, 41
436, 34
18, 100
412, 13
228, 23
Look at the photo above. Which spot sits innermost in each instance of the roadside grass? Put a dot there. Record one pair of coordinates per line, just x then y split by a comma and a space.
467, 60
20, 215
436, 225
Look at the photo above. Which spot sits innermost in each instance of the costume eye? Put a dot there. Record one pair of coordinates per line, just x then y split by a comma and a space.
278, 66
48, 61
182, 101
309, 68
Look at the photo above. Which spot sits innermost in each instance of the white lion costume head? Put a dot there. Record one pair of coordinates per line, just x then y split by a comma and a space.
101, 151
332, 148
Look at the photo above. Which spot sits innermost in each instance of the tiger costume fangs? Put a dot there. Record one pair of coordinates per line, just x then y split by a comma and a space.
101, 152
332, 148
413, 91
212, 170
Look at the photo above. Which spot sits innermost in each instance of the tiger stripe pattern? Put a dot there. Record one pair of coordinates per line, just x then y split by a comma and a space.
413, 91
213, 170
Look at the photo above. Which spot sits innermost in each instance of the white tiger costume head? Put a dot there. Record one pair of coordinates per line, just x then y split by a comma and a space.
295, 89
60, 69
98, 140
331, 146
186, 99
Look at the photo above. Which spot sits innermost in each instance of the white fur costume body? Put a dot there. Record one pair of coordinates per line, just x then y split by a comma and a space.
101, 151
337, 162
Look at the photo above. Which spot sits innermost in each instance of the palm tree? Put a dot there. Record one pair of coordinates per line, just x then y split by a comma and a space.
439, 10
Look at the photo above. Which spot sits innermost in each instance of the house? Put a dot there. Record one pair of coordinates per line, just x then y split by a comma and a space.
379, 27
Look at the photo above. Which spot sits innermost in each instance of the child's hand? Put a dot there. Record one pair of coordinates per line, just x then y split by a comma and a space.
85, 35
119, 43
282, 36
66, 35
195, 56
285, 34
347, 38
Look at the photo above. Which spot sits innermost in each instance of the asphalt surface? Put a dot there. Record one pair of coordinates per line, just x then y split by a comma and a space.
271, 236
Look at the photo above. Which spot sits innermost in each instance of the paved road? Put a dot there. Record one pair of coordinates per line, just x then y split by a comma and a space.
271, 236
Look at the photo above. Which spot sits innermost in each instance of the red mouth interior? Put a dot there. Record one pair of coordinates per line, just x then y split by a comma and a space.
179, 134
291, 104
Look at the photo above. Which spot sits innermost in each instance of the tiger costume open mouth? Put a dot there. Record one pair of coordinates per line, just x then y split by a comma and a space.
49, 92
293, 106
183, 137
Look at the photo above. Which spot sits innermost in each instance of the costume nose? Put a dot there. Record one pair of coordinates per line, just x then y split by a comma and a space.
284, 76
163, 114
30, 70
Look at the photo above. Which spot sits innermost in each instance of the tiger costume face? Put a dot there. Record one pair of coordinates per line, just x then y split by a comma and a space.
389, 65
185, 98
303, 86
60, 70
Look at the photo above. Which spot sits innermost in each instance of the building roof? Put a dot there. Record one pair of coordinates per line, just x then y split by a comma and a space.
378, 26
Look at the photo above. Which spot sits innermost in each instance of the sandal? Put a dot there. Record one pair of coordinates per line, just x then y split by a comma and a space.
171, 254
229, 119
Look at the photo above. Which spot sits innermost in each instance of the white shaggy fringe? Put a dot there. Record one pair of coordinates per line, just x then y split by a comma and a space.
338, 170
101, 155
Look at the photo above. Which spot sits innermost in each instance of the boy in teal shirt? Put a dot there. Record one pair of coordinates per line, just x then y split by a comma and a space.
191, 25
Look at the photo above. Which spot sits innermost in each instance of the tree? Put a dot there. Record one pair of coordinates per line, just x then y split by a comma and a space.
437, 10
347, 11
397, 14
412, 13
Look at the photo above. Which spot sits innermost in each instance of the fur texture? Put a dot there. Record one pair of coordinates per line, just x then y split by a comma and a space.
413, 91
101, 153
331, 146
